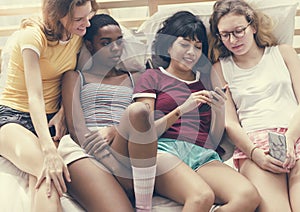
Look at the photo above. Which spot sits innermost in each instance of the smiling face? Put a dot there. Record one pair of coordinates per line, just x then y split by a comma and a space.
80, 21
238, 45
184, 54
107, 46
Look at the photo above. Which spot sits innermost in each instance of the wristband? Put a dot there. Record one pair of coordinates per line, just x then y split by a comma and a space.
251, 152
179, 112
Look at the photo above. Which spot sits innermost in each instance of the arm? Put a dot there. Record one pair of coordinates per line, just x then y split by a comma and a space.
293, 133
218, 110
232, 125
52, 160
72, 106
36, 100
239, 137
59, 122
165, 122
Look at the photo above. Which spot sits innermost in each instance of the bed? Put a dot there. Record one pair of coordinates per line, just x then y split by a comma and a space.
13, 182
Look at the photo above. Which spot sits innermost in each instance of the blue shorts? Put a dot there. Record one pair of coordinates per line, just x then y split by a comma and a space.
10, 115
193, 155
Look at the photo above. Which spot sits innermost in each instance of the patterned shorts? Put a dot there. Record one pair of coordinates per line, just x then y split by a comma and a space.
10, 115
260, 139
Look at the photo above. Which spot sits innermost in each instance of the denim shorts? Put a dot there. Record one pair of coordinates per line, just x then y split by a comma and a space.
191, 154
10, 115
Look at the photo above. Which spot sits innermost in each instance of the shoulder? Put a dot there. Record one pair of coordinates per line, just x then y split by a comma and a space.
217, 75
148, 79
33, 32
77, 42
136, 75
286, 50
216, 68
71, 75
288, 53
151, 73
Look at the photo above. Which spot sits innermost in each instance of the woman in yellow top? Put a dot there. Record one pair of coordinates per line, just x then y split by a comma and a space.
42, 52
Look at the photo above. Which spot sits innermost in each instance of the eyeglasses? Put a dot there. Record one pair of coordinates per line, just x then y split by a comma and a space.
237, 33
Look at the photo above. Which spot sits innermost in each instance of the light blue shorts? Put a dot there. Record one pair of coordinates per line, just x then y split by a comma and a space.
193, 155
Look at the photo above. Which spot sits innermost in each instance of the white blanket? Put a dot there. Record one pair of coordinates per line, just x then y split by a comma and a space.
14, 193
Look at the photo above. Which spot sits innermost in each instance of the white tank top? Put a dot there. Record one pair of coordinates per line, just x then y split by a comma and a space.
263, 95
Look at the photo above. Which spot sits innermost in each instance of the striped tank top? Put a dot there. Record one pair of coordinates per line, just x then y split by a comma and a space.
104, 104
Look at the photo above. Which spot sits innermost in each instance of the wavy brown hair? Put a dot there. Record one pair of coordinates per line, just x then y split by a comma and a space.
259, 21
53, 11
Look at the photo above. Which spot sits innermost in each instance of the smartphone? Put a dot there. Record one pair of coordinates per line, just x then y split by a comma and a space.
223, 89
277, 143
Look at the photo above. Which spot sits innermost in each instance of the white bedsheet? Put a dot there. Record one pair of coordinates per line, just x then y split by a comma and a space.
14, 193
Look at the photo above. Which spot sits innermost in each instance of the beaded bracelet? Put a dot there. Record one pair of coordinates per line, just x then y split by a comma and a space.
251, 152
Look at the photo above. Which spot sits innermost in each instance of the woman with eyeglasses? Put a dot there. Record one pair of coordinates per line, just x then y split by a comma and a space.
263, 98
30, 102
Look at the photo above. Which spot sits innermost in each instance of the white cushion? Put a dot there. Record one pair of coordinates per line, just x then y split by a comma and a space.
281, 11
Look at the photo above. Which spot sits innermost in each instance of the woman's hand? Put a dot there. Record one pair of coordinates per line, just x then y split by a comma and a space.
98, 140
194, 100
267, 162
290, 160
53, 170
218, 98
59, 122
108, 133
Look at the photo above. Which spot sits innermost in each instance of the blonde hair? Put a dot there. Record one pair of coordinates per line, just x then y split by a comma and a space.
52, 12
258, 20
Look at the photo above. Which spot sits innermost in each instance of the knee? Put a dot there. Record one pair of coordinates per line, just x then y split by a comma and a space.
202, 198
247, 197
140, 124
41, 199
139, 110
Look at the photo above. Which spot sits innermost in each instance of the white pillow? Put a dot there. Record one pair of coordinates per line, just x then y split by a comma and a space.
283, 14
134, 52
281, 11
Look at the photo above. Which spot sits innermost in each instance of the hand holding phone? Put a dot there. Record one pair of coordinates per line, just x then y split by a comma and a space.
217, 90
277, 143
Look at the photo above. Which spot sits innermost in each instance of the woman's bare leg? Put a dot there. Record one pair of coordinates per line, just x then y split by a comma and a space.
294, 187
95, 188
271, 187
137, 139
232, 190
182, 184
21, 147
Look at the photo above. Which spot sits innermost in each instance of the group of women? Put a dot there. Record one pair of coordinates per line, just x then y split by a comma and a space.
133, 134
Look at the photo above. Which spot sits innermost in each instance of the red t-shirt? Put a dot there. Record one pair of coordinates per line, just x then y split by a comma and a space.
170, 92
